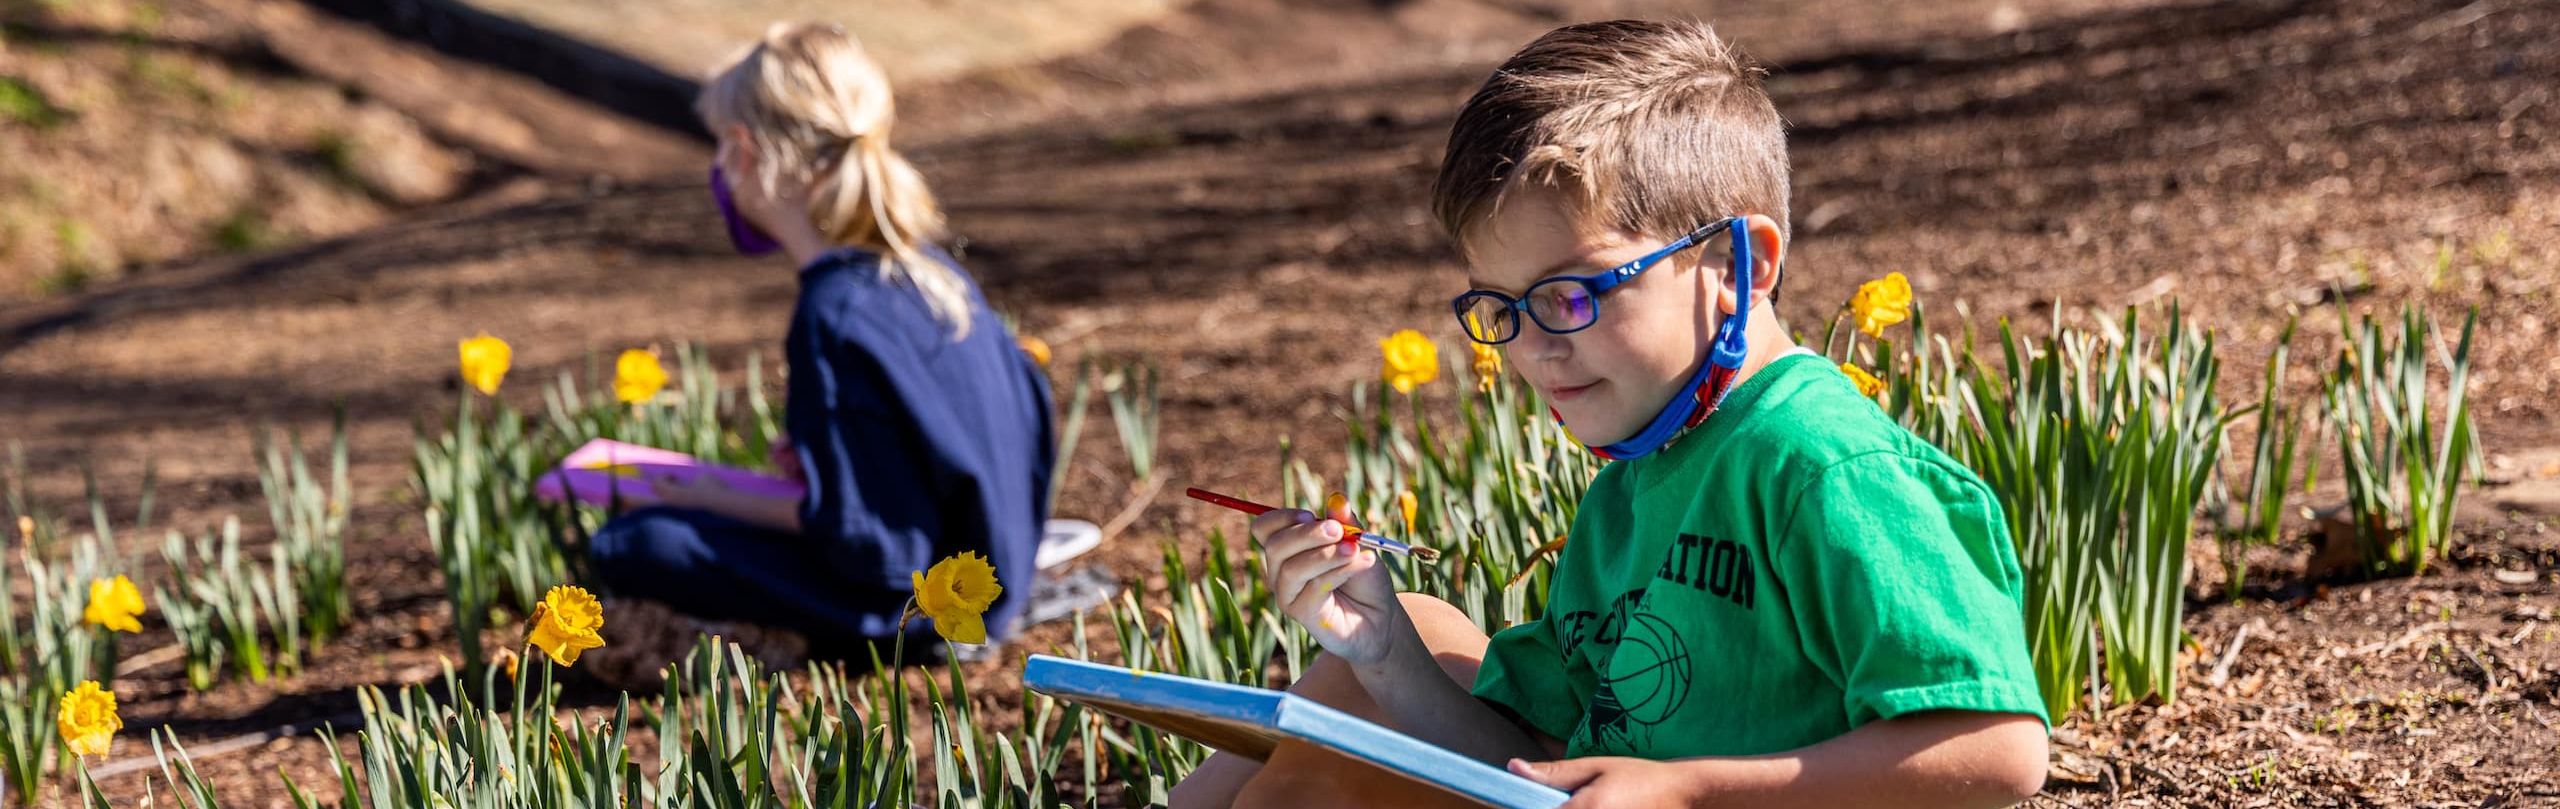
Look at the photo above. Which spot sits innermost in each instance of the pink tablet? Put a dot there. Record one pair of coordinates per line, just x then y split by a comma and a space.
604, 467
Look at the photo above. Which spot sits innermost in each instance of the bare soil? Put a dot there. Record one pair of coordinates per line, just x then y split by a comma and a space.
1235, 191
915, 40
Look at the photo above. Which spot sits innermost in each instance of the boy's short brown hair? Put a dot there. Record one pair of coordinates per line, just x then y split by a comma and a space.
1656, 128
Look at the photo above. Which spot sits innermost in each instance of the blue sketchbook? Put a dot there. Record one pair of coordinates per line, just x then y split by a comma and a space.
1250, 721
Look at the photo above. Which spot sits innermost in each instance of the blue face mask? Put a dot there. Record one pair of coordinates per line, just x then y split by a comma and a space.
742, 234
1706, 388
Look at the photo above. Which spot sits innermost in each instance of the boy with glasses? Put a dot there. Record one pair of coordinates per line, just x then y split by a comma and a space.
1775, 596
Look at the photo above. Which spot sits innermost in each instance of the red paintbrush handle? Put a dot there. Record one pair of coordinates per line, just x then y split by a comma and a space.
1246, 506
1352, 534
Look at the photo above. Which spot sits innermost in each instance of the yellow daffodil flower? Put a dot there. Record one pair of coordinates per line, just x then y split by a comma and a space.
637, 376
88, 721
955, 593
1411, 360
1488, 365
1037, 348
115, 604
1336, 503
484, 363
569, 621
1880, 303
1868, 384
1407, 504
1488, 359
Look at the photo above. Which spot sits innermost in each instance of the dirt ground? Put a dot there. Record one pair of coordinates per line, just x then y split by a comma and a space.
1237, 192
915, 40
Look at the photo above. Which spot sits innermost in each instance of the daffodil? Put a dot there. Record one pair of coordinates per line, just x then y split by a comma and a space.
1037, 348
1406, 504
1336, 503
1868, 384
1488, 365
637, 376
569, 621
115, 604
955, 593
88, 721
1880, 303
484, 363
1411, 360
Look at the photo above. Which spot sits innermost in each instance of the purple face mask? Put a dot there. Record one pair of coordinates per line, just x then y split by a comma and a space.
742, 235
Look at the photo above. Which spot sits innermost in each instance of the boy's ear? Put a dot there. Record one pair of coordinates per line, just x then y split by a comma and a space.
1768, 258
1768, 254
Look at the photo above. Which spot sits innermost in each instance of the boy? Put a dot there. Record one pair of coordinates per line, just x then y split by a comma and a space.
1774, 596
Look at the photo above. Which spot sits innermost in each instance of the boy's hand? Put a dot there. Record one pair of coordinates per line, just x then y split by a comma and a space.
1606, 782
1333, 587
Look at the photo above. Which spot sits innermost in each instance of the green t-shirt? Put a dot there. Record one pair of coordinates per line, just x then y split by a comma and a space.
1794, 568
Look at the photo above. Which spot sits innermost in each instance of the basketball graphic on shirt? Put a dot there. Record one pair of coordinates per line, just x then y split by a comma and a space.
1646, 680
1649, 673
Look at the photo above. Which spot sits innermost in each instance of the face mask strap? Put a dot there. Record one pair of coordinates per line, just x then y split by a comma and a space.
1714, 378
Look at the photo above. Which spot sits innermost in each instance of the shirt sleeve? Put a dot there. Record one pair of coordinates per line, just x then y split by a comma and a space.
1905, 590
870, 506
1524, 674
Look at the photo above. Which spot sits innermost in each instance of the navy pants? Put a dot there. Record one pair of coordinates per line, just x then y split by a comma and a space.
713, 567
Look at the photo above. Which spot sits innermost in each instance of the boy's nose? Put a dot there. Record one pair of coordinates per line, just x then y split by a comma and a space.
1536, 345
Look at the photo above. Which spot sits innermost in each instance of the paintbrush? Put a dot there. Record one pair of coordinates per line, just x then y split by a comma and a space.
1366, 539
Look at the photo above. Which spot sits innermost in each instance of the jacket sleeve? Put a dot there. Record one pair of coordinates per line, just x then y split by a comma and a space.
870, 505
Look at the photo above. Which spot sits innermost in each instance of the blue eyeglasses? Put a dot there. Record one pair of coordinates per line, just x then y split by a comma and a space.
1567, 303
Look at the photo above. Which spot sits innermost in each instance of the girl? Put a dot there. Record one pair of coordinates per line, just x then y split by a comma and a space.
919, 427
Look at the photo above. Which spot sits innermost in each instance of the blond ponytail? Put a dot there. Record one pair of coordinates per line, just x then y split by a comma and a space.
819, 112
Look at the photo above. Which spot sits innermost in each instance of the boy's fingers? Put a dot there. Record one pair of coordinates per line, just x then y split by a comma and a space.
1309, 601
1338, 508
1273, 521
1567, 774
1309, 606
1297, 539
1331, 579
1291, 580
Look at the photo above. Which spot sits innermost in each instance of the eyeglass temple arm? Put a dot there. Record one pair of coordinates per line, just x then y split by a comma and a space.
1612, 279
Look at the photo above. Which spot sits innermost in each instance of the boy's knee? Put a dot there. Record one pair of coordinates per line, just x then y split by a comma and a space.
1453, 638
1280, 790
1430, 611
1331, 682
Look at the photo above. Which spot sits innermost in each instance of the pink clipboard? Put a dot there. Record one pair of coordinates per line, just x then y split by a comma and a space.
605, 468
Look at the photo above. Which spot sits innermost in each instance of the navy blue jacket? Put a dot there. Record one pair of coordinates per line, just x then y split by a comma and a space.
916, 446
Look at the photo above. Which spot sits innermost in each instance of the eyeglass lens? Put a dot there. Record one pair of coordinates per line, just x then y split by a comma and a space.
1563, 305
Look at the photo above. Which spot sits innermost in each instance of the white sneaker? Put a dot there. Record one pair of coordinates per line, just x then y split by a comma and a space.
1061, 541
